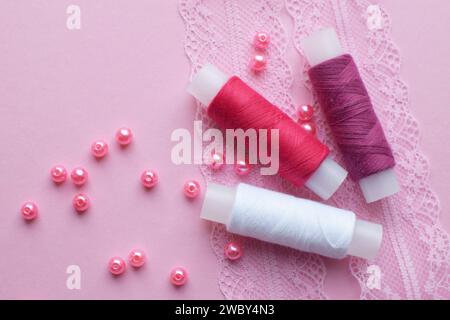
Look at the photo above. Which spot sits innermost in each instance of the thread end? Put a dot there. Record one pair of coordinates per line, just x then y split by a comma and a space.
218, 203
366, 240
326, 179
321, 46
379, 185
206, 83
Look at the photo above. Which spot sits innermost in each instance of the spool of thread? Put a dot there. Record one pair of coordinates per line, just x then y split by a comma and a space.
296, 223
349, 110
232, 104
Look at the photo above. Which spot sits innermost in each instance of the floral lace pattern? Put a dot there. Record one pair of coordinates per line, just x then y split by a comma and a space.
414, 259
221, 32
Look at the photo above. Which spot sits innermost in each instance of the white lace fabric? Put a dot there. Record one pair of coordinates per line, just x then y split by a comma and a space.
414, 259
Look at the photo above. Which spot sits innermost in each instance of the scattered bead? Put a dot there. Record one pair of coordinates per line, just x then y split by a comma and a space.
305, 112
79, 176
124, 136
58, 174
242, 168
137, 258
233, 251
99, 149
217, 161
80, 203
117, 266
149, 178
258, 63
29, 210
309, 127
261, 41
178, 276
191, 189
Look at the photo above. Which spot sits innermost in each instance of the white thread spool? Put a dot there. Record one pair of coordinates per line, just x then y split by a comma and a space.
324, 182
324, 45
289, 221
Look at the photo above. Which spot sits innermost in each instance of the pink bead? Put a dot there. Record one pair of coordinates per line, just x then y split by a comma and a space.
258, 63
117, 266
191, 189
233, 251
80, 203
149, 178
242, 168
261, 41
79, 176
305, 112
29, 210
58, 174
309, 127
124, 136
217, 161
99, 149
178, 276
137, 258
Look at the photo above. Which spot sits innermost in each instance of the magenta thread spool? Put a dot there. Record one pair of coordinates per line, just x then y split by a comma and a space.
350, 114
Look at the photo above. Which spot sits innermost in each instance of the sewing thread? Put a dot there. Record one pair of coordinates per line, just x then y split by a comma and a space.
239, 106
349, 110
296, 223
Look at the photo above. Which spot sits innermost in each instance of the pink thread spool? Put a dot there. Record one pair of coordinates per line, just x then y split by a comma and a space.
210, 83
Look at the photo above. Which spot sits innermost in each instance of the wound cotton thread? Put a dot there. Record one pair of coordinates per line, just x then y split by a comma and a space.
239, 106
232, 104
296, 223
351, 116
349, 110
293, 222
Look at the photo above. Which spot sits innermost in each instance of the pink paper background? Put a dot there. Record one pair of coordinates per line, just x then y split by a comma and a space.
61, 89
